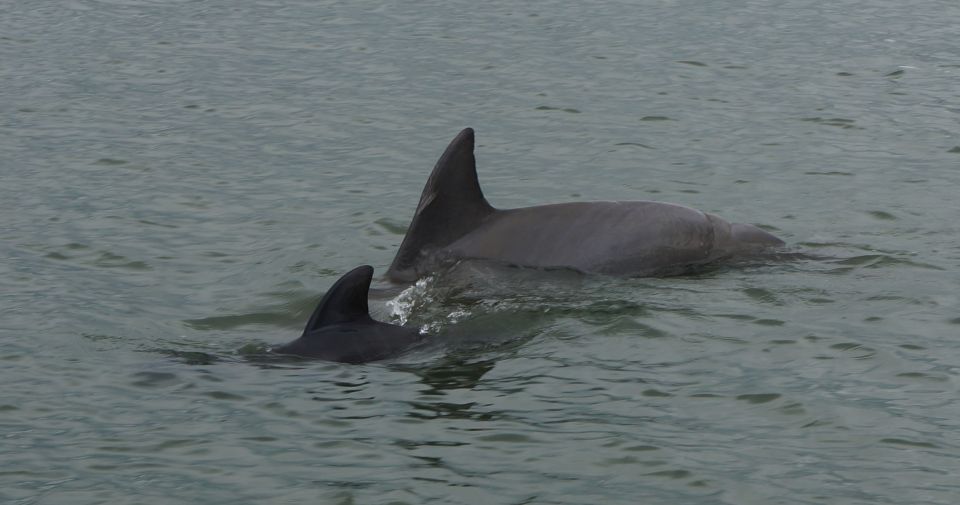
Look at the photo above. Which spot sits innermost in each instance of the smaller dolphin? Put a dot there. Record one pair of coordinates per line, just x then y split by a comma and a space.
341, 328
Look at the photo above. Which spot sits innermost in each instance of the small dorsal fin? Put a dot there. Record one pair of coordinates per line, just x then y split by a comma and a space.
451, 205
345, 301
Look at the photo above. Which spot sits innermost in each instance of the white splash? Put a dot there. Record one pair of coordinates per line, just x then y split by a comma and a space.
404, 304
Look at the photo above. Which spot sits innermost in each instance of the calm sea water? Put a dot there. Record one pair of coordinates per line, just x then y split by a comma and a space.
181, 181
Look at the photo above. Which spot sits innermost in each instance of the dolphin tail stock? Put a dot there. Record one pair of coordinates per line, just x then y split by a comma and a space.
451, 205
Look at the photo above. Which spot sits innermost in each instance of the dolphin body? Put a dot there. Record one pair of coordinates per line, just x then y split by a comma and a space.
454, 222
341, 328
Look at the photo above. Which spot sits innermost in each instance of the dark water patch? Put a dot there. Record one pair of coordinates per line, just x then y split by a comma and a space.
177, 443
548, 108
896, 74
671, 474
303, 267
279, 319
866, 259
955, 320
8, 408
793, 409
655, 118
280, 410
882, 215
510, 438
154, 448
854, 350
823, 245
907, 443
195, 358
846, 346
353, 485
110, 260
628, 325
194, 203
337, 424
17, 39
155, 379
292, 290
654, 393
782, 341
762, 295
923, 376
893, 298
154, 223
914, 347
759, 398
118, 448
392, 226
625, 460
224, 395
635, 144
641, 448
833, 172
416, 444
99, 337
816, 423
836, 122
769, 322
450, 374
84, 255
955, 150
102, 467
692, 63
878, 261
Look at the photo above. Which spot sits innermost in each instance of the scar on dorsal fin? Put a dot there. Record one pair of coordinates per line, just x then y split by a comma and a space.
345, 301
451, 205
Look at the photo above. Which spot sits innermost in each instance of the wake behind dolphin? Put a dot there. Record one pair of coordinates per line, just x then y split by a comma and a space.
454, 222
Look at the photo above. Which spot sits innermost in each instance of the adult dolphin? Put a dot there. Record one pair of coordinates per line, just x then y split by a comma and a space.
454, 222
341, 328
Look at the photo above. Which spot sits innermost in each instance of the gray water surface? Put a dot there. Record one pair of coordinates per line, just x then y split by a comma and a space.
181, 181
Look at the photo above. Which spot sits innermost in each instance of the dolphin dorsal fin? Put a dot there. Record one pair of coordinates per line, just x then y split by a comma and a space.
345, 301
451, 205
